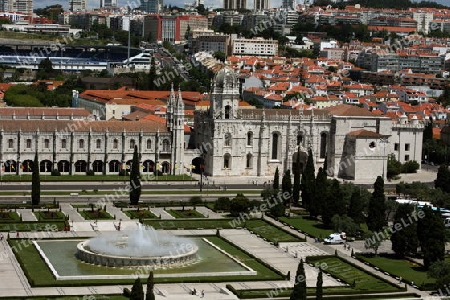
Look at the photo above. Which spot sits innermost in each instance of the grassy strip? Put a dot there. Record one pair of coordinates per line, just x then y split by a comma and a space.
359, 279
408, 270
270, 232
311, 227
141, 214
31, 226
95, 215
39, 274
190, 224
187, 213
50, 215
9, 216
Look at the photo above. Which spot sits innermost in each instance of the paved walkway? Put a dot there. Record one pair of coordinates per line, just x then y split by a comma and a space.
27, 215
160, 212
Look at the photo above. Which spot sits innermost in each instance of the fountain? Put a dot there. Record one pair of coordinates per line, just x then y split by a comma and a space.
142, 247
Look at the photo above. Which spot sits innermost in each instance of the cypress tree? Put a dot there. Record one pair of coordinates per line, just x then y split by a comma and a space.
137, 291
308, 181
152, 74
431, 235
286, 184
35, 182
356, 207
319, 193
376, 215
443, 179
296, 189
319, 284
135, 183
405, 241
150, 284
276, 180
428, 132
299, 291
333, 203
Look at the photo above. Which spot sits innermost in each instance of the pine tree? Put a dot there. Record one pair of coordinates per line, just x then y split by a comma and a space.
308, 181
405, 241
137, 291
35, 182
135, 183
286, 183
319, 284
297, 171
150, 285
276, 180
299, 291
376, 215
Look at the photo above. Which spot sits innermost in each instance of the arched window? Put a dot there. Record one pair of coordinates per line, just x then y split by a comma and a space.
132, 143
115, 144
300, 139
227, 112
166, 146
275, 145
81, 144
98, 143
249, 138
227, 161
323, 145
249, 161
227, 140
149, 144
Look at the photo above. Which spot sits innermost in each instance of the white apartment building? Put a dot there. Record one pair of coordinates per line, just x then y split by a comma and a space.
255, 46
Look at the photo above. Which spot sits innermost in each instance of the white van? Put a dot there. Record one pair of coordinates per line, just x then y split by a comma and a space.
335, 238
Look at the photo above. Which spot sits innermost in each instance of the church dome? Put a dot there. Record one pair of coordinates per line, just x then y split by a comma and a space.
225, 77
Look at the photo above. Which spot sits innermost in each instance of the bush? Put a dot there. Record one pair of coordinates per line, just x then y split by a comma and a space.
122, 173
55, 172
410, 167
195, 200
90, 173
222, 204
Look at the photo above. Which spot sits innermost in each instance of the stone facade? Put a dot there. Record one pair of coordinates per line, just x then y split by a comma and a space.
355, 142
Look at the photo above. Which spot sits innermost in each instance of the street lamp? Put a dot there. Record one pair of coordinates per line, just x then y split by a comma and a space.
384, 141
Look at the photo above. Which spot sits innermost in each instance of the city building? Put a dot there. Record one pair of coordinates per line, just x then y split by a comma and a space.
255, 46
213, 43
20, 6
235, 4
172, 28
77, 5
261, 4
152, 6
108, 3
254, 142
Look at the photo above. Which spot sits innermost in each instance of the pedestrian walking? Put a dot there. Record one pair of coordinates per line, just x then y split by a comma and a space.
203, 293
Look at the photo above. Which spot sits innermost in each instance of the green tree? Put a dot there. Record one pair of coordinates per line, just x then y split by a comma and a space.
297, 171
150, 295
394, 167
239, 205
152, 75
286, 183
219, 55
137, 291
345, 224
440, 270
276, 180
428, 132
356, 207
431, 235
333, 203
410, 167
135, 182
319, 286
404, 241
299, 291
319, 193
373, 242
376, 215
308, 181
35, 182
276, 202
45, 69
443, 179
222, 204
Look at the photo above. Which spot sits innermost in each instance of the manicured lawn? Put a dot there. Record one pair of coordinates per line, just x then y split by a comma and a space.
269, 231
49, 215
95, 215
187, 213
190, 224
409, 271
350, 274
8, 216
140, 214
312, 227
29, 226
39, 274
